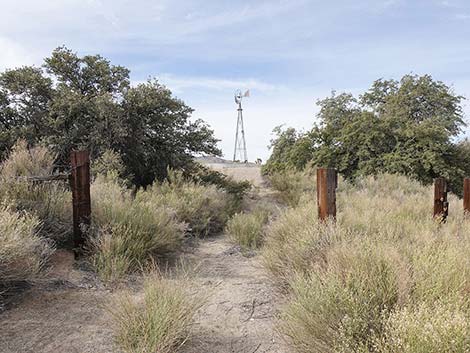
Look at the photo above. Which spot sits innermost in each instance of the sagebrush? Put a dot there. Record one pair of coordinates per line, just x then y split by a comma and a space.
370, 282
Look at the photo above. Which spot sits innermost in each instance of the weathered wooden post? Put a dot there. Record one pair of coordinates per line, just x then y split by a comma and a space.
466, 195
441, 206
80, 185
327, 182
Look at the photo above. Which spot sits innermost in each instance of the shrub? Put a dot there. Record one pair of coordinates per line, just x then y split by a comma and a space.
206, 176
157, 323
292, 185
359, 285
109, 162
130, 233
205, 209
50, 202
426, 328
246, 229
22, 251
340, 304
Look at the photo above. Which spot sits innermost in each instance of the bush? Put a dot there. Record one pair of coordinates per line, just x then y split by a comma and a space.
427, 328
22, 251
236, 189
340, 305
129, 232
205, 209
246, 229
360, 285
292, 185
159, 322
109, 162
50, 202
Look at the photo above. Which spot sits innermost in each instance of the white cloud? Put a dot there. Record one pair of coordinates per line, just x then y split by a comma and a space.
179, 84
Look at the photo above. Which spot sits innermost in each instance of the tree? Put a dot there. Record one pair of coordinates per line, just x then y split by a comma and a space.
407, 127
86, 102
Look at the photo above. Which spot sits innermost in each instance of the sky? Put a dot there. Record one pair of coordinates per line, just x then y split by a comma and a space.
289, 53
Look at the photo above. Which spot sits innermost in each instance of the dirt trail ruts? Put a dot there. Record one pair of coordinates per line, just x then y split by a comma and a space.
66, 312
240, 312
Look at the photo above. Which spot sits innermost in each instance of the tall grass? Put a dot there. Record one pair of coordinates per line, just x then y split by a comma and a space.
157, 323
203, 208
370, 282
246, 229
22, 251
129, 232
293, 186
50, 202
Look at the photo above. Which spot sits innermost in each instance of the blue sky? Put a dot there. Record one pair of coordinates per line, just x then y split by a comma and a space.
288, 53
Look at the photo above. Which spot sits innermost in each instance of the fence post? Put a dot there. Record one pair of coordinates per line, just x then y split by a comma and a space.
326, 193
81, 202
441, 206
466, 195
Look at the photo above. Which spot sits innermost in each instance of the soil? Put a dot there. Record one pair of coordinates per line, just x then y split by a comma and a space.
66, 312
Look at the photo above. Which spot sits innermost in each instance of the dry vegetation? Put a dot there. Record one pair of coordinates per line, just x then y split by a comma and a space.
130, 229
385, 278
158, 322
247, 229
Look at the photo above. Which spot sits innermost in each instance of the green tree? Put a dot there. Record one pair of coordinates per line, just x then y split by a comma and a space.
408, 127
86, 102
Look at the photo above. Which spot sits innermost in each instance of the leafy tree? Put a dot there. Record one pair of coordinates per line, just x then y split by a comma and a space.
86, 102
408, 127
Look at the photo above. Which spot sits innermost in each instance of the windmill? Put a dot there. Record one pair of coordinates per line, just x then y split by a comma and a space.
240, 143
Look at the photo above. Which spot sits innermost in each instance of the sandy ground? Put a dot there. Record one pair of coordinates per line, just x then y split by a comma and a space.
66, 313
240, 310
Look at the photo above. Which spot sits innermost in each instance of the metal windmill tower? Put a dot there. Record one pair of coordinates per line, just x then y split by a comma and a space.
240, 143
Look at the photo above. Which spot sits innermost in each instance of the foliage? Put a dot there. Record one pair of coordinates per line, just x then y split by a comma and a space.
429, 328
109, 163
246, 229
128, 233
159, 323
22, 251
50, 202
78, 102
204, 208
207, 176
290, 150
292, 185
372, 281
407, 127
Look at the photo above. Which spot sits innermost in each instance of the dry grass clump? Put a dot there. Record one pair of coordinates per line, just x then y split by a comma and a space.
22, 251
157, 323
246, 229
370, 282
426, 328
130, 232
50, 202
293, 185
204, 208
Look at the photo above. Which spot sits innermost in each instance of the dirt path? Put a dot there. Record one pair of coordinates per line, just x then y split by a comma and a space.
240, 311
66, 312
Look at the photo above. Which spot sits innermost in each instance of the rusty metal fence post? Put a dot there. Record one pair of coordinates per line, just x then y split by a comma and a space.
327, 182
81, 201
441, 206
466, 196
